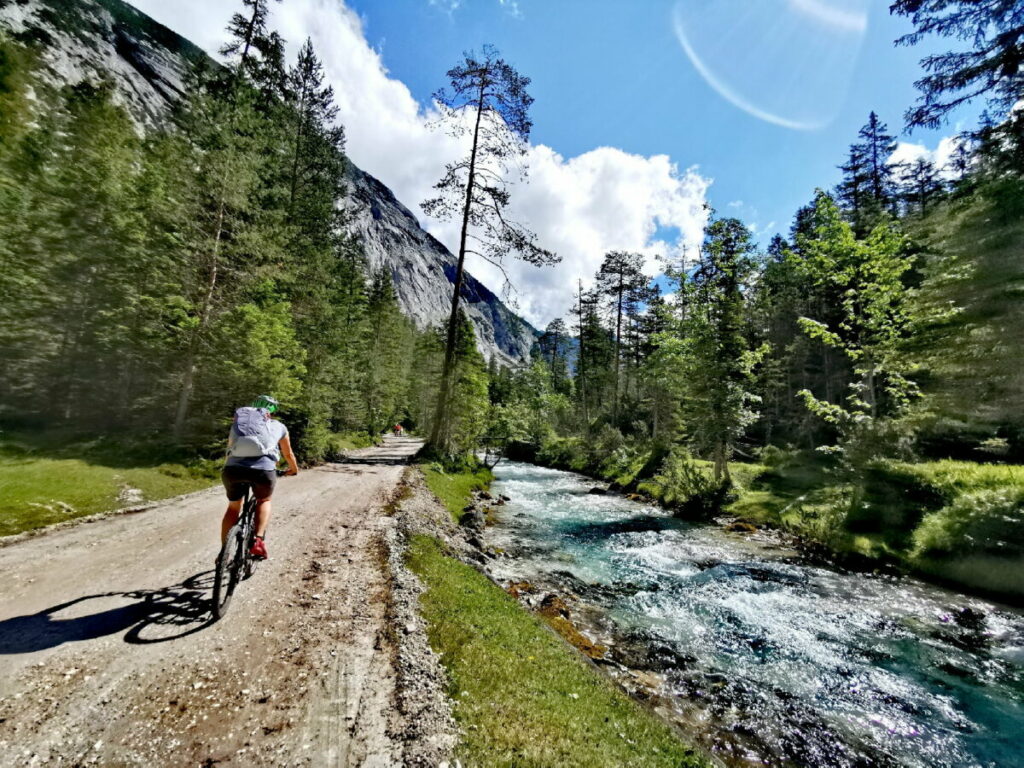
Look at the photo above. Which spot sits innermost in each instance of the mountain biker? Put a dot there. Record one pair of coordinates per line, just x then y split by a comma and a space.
255, 445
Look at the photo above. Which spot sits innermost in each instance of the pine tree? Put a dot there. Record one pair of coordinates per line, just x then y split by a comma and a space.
555, 349
992, 67
489, 94
622, 282
920, 186
868, 187
868, 276
719, 398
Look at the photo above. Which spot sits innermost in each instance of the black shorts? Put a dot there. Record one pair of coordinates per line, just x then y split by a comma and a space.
236, 478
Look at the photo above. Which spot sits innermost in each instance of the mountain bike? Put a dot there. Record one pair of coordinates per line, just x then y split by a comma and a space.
234, 563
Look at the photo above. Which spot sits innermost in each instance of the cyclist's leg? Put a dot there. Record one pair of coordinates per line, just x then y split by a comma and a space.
263, 488
234, 485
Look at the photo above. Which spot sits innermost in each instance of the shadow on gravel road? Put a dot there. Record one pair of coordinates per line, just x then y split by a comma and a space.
396, 459
146, 616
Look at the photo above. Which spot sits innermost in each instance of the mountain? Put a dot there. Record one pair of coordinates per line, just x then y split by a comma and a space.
149, 66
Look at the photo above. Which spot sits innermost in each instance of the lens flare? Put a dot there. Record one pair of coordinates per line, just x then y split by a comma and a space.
788, 62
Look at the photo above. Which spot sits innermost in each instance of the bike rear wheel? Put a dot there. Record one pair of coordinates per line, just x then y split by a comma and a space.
228, 566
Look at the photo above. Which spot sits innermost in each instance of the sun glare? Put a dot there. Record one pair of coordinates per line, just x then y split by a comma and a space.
788, 62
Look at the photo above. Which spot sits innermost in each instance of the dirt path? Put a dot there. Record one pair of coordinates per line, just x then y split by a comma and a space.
107, 657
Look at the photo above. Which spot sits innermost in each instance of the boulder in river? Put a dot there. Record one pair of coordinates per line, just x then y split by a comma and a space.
598, 491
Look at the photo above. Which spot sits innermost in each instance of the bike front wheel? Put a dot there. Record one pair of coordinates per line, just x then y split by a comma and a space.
226, 576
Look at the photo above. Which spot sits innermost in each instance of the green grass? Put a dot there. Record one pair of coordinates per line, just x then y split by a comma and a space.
349, 441
522, 696
41, 483
454, 488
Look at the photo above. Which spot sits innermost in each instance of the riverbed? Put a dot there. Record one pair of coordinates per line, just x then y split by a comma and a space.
761, 656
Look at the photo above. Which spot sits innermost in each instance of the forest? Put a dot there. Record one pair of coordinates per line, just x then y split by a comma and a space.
857, 380
154, 282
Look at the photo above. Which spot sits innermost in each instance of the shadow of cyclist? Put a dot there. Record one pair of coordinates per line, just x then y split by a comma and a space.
152, 616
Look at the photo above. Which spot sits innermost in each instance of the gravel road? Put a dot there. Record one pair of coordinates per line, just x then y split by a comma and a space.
108, 656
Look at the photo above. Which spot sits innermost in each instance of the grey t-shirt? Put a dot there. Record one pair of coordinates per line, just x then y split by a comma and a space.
278, 432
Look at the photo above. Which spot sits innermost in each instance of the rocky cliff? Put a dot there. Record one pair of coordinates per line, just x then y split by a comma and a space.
149, 67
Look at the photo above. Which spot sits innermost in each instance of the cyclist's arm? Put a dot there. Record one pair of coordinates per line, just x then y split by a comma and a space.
285, 444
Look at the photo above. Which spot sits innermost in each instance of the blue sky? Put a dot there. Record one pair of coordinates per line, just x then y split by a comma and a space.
614, 73
644, 109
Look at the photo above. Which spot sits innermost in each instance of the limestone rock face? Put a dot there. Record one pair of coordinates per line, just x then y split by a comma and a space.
423, 271
149, 66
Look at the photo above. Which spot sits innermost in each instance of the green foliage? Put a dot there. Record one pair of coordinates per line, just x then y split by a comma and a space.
867, 276
49, 481
454, 484
686, 487
157, 282
505, 666
981, 522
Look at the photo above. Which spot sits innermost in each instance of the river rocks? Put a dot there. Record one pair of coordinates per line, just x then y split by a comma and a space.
598, 491
553, 605
636, 497
741, 526
484, 495
577, 639
647, 680
519, 588
473, 520
504, 498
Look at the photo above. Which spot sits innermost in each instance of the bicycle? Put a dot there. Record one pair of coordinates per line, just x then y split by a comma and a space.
234, 563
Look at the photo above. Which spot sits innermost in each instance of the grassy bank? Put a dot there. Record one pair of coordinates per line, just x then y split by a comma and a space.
958, 522
454, 488
49, 478
522, 696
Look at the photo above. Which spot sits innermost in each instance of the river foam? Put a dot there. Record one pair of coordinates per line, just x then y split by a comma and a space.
768, 659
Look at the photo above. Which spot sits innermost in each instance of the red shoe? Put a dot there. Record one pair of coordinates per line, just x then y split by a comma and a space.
259, 549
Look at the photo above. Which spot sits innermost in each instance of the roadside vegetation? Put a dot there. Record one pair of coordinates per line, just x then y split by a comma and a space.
523, 697
52, 477
454, 486
46, 481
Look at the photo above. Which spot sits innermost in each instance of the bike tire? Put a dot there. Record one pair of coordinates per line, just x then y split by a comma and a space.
249, 537
226, 575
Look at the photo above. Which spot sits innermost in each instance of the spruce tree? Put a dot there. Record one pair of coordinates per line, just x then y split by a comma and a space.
868, 186
992, 66
718, 403
624, 285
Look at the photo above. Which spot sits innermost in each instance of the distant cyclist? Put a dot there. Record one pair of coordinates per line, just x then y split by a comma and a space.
255, 445
399, 430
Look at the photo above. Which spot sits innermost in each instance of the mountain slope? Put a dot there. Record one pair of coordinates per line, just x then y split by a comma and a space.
149, 66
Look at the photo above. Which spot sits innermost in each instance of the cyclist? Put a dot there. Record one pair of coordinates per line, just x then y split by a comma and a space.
255, 445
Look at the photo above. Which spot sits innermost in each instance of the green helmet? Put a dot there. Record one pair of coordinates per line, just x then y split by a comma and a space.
265, 401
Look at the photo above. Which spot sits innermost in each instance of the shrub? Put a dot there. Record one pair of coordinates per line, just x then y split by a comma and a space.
982, 522
686, 487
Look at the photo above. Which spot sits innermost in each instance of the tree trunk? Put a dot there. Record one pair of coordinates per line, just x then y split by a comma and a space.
581, 361
190, 369
442, 413
618, 352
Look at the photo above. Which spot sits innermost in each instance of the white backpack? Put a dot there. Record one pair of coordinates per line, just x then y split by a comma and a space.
252, 434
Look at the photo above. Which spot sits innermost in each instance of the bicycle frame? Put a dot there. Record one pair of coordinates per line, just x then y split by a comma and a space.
234, 563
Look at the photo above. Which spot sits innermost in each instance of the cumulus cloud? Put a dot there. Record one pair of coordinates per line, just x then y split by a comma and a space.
580, 207
907, 152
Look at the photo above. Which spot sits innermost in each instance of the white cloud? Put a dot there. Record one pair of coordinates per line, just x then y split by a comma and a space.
940, 156
580, 207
